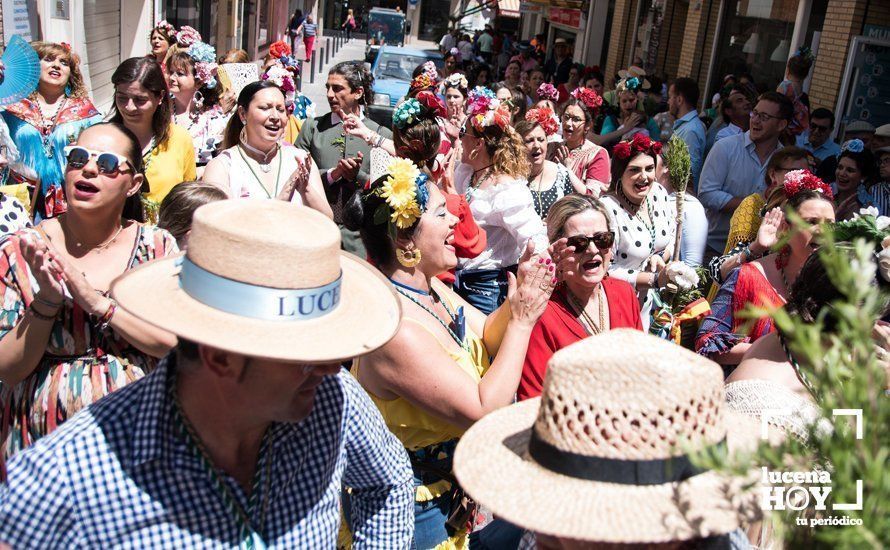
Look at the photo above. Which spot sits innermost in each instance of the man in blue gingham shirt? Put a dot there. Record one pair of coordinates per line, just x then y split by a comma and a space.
247, 433
117, 475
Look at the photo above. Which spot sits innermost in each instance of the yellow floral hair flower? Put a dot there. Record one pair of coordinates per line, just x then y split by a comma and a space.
405, 217
399, 188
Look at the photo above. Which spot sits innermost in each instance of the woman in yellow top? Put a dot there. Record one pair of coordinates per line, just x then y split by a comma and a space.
142, 104
433, 380
745, 243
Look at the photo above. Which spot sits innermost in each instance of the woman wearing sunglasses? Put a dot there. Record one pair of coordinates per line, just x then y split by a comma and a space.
586, 301
64, 343
141, 103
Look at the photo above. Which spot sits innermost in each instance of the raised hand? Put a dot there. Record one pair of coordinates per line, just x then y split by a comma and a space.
768, 234
354, 126
528, 298
564, 258
561, 154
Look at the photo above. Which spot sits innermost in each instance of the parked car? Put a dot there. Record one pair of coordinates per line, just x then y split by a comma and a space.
385, 27
393, 71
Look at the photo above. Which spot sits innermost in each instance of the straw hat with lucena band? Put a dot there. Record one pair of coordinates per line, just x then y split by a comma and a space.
265, 279
600, 456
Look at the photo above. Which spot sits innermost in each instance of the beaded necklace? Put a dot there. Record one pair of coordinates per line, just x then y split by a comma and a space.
250, 537
584, 317
456, 320
147, 156
46, 130
651, 228
796, 366
473, 186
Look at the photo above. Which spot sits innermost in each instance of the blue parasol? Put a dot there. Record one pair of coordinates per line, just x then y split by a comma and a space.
22, 71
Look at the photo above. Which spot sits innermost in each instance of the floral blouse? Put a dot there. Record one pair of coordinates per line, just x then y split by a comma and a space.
80, 364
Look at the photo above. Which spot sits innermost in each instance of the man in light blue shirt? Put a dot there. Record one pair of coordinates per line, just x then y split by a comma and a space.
682, 99
735, 166
817, 139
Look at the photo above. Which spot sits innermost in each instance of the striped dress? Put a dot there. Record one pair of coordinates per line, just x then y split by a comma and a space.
80, 364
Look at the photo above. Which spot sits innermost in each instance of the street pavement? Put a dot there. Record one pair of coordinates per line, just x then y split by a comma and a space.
354, 50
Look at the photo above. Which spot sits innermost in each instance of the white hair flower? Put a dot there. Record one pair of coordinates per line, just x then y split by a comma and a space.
682, 275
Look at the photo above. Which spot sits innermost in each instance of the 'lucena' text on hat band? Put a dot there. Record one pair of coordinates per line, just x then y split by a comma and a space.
257, 302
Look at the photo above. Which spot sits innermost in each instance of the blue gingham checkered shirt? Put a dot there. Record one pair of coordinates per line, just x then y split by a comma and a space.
118, 475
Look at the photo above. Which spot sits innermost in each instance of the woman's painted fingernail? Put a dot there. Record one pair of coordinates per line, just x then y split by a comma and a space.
550, 268
540, 260
554, 281
547, 261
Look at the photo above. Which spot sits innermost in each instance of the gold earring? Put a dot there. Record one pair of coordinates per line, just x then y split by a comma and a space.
473, 154
408, 258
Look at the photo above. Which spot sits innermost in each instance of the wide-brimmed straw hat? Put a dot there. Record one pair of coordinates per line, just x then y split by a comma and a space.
600, 455
265, 279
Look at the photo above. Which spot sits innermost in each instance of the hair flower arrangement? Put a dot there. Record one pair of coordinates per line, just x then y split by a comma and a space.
632, 84
499, 116
282, 78
165, 26
853, 146
588, 97
805, 52
405, 195
457, 80
204, 56
456, 53
406, 113
187, 36
431, 103
800, 180
429, 69
290, 63
480, 100
548, 91
279, 49
422, 82
546, 118
640, 144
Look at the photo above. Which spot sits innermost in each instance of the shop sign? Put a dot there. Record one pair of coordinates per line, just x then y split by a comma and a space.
20, 17
567, 17
875, 31
528, 7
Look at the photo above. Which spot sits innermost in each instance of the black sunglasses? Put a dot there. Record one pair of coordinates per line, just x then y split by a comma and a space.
603, 241
108, 163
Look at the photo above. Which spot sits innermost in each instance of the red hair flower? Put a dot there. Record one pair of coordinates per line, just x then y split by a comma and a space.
545, 118
279, 49
588, 97
621, 150
802, 180
640, 144
503, 117
431, 102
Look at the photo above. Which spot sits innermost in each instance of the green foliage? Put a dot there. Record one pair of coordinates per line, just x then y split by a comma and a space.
843, 368
676, 158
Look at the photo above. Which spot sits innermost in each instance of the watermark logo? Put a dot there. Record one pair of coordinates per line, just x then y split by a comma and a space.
799, 490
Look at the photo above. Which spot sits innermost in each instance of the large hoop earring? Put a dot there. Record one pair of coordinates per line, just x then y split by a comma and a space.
408, 258
198, 100
243, 135
473, 154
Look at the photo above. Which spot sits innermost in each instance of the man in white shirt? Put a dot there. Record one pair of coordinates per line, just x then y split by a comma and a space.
448, 41
485, 43
735, 166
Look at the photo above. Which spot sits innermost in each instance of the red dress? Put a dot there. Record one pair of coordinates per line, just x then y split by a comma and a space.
558, 327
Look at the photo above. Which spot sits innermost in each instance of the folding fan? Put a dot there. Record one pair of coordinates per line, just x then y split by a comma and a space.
22, 71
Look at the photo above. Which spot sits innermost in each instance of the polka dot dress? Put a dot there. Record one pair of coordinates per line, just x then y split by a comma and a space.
13, 215
633, 240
